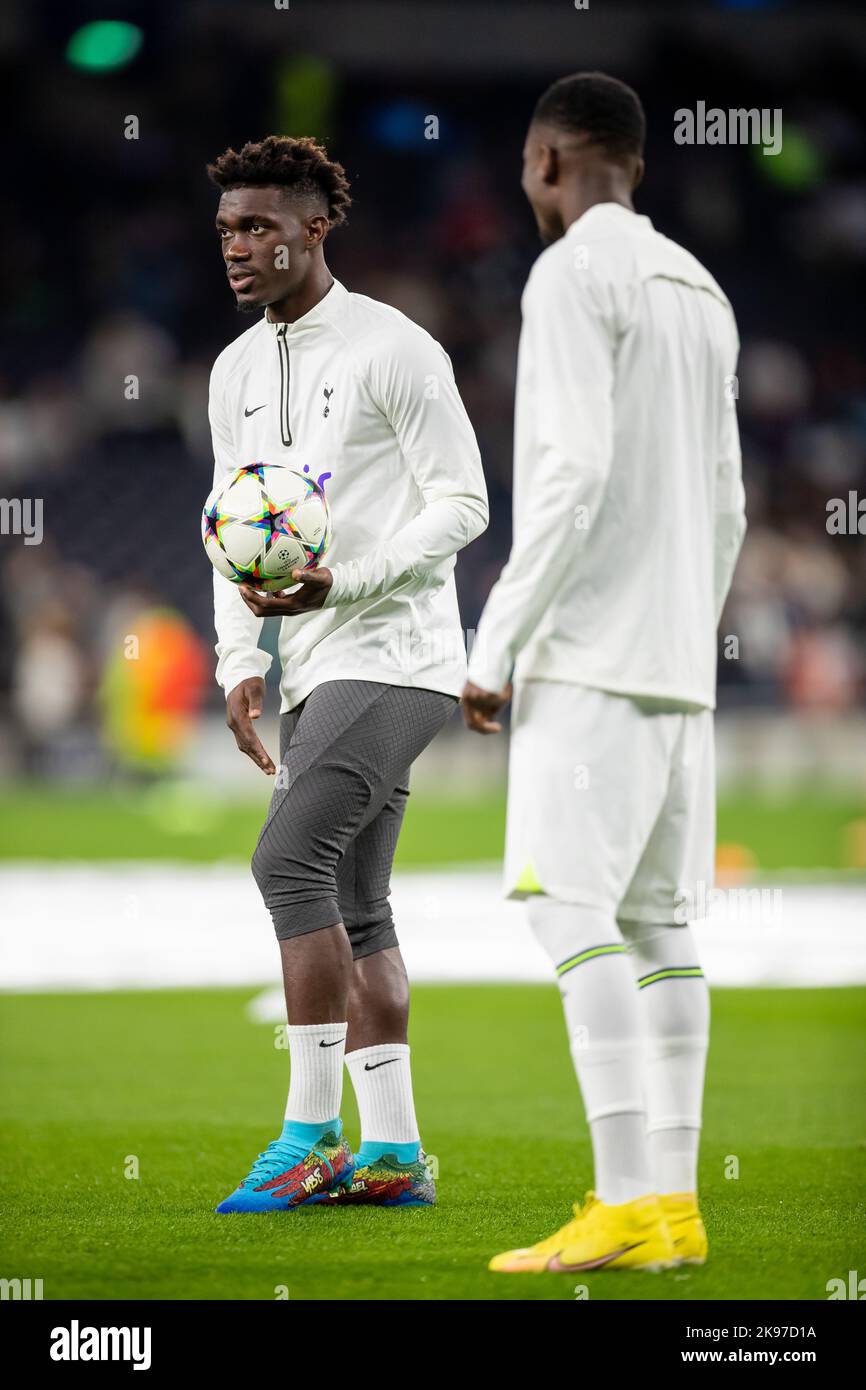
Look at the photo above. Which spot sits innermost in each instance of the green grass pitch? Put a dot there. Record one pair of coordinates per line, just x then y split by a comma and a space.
185, 1083
810, 829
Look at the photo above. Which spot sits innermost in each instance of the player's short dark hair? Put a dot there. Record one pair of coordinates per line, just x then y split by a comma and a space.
300, 166
597, 105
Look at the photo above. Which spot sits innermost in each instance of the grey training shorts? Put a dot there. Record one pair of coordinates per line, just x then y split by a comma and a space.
325, 851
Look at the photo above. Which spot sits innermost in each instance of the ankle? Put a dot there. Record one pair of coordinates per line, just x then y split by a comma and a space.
303, 1134
369, 1151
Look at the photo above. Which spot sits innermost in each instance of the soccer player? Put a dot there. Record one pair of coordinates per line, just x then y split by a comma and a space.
349, 391
628, 512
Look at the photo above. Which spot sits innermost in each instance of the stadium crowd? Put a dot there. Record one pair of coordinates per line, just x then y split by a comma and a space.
118, 307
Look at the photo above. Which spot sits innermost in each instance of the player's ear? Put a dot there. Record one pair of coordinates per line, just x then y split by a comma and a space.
637, 176
316, 229
549, 164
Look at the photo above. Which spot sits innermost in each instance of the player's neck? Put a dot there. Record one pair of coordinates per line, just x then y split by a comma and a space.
602, 188
304, 298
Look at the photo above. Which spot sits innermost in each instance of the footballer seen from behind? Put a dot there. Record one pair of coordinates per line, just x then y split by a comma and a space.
353, 394
629, 516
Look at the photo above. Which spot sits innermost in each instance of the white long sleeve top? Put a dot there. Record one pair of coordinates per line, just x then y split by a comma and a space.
364, 401
628, 497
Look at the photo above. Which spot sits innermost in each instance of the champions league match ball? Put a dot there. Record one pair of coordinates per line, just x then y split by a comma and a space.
261, 522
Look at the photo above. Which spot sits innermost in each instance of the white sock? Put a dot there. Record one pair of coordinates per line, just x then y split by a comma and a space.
605, 1029
621, 1157
316, 1081
676, 1008
382, 1078
674, 1159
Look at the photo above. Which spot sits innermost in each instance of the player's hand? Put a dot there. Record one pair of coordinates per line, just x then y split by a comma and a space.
480, 705
316, 584
244, 704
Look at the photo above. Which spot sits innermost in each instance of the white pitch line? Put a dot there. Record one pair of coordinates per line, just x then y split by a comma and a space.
136, 926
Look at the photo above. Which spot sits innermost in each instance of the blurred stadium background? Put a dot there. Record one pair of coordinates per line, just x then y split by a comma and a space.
112, 742
127, 817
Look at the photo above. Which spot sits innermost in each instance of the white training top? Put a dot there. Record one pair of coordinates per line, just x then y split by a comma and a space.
364, 401
628, 496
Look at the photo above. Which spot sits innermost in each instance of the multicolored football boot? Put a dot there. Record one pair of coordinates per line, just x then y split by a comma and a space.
631, 1235
385, 1182
278, 1181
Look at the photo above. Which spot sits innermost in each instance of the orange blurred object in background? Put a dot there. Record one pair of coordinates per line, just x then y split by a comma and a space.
152, 690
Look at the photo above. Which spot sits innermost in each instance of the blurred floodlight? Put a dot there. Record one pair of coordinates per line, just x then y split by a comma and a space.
797, 167
399, 125
306, 90
104, 46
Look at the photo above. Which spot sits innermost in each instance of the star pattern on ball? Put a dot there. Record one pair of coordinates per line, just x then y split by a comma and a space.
257, 470
211, 523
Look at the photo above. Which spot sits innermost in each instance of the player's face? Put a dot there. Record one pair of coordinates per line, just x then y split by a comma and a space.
265, 242
540, 188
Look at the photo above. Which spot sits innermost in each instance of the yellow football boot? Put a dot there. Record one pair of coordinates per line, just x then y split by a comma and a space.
633, 1235
686, 1227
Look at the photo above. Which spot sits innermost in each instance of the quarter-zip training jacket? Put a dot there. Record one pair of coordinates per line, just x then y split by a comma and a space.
358, 397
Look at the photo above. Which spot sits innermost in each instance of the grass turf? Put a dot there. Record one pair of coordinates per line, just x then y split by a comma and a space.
807, 830
185, 1083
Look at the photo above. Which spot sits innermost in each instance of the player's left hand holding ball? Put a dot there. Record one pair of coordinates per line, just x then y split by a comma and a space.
312, 594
